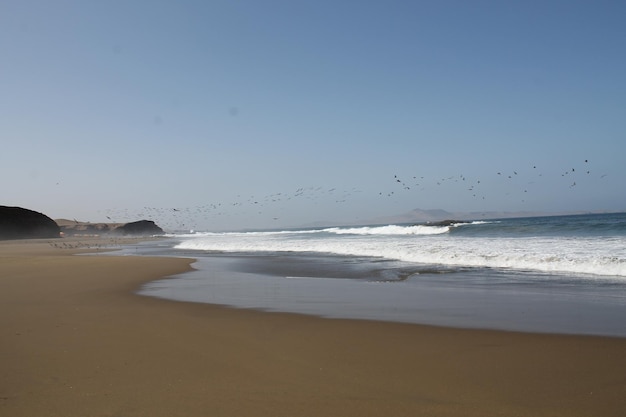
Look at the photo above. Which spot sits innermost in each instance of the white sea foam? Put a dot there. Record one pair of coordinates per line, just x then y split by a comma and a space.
411, 244
361, 230
389, 230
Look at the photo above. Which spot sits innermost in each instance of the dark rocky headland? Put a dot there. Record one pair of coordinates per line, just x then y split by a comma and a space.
21, 223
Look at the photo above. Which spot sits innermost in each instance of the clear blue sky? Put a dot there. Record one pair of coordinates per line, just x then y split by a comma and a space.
235, 114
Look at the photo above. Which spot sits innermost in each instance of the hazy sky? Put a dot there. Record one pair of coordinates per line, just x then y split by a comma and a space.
235, 114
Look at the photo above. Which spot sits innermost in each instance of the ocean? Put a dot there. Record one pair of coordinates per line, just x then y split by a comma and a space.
559, 274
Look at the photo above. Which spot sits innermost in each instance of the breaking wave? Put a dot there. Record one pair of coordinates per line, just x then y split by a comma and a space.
433, 245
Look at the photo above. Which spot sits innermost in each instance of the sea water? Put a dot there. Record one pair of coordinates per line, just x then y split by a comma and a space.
563, 274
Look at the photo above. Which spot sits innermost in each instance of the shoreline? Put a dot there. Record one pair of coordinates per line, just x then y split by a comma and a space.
365, 288
77, 341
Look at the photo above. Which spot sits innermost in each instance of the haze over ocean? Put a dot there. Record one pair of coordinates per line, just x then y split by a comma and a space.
226, 115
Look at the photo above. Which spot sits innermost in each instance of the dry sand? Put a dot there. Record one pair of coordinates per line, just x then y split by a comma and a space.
76, 341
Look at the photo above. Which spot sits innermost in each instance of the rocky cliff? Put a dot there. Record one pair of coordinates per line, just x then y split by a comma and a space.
21, 223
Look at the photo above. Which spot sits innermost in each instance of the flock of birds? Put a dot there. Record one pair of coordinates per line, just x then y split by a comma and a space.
474, 185
517, 183
184, 218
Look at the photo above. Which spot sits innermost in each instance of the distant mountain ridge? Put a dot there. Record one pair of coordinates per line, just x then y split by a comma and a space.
436, 215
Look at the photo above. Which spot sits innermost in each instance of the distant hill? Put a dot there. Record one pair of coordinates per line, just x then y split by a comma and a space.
419, 216
437, 215
79, 228
75, 227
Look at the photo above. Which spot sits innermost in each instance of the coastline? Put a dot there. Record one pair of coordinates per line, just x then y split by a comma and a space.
76, 340
368, 288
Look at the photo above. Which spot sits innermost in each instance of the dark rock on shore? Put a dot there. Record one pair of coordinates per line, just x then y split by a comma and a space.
139, 228
21, 223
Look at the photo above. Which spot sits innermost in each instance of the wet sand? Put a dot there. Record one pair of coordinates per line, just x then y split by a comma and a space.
76, 341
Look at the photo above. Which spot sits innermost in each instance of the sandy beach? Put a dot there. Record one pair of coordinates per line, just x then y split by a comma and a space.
75, 340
